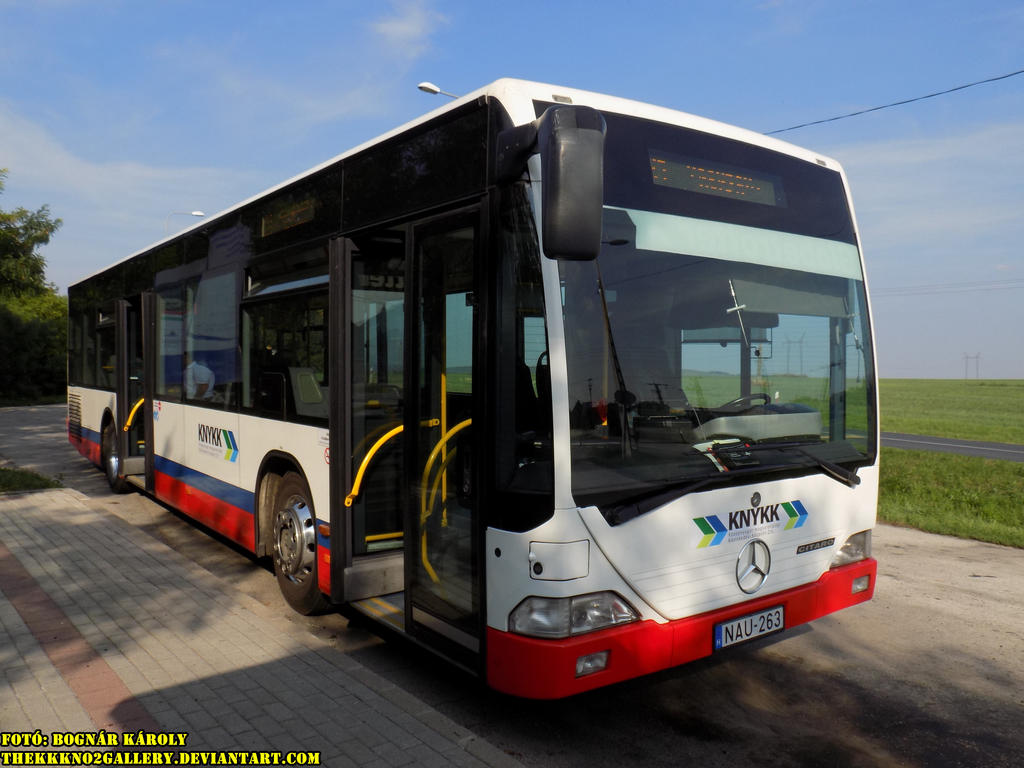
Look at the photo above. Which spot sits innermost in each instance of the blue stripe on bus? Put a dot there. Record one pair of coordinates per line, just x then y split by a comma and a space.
231, 494
91, 436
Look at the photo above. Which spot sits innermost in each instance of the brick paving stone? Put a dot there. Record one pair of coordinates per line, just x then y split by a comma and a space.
190, 653
393, 755
427, 757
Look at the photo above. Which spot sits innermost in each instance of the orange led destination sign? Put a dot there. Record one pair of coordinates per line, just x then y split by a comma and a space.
714, 178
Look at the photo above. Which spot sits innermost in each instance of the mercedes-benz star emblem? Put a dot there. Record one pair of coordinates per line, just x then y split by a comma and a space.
755, 500
752, 566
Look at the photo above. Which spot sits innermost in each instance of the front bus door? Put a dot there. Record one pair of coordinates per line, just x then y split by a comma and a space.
442, 523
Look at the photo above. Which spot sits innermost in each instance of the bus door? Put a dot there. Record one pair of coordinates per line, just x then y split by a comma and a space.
367, 423
130, 385
442, 541
409, 525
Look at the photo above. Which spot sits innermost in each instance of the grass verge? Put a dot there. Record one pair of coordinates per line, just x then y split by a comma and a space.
13, 480
964, 496
968, 410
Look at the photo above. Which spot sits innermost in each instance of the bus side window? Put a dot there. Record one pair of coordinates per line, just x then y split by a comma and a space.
211, 339
284, 358
169, 327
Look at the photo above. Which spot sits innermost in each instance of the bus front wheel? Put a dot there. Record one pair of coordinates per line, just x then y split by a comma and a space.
295, 556
110, 458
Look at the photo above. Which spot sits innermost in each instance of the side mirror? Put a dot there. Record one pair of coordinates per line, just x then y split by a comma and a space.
570, 140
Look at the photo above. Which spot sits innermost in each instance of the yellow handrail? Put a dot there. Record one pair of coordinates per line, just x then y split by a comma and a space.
384, 428
372, 436
425, 509
366, 462
424, 514
426, 492
383, 536
373, 450
135, 408
442, 474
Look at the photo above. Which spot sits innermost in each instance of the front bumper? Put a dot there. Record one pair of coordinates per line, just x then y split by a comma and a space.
546, 669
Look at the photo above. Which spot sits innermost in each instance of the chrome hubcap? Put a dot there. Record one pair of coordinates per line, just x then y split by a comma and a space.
296, 539
113, 461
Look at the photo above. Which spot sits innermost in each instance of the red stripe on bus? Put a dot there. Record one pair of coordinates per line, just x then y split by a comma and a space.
546, 669
87, 448
323, 569
234, 522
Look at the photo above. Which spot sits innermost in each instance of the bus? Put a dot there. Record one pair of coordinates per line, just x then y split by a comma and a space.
564, 387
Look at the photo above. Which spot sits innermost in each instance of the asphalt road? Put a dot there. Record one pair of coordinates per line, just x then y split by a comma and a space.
929, 673
1003, 451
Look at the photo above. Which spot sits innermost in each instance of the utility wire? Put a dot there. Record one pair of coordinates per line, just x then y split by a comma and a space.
923, 290
899, 103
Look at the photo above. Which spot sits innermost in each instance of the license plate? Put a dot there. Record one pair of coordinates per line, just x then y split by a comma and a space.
748, 627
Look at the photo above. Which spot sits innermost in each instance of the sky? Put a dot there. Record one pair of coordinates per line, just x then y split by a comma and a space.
123, 115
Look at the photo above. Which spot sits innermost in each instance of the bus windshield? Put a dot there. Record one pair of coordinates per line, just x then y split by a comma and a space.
722, 335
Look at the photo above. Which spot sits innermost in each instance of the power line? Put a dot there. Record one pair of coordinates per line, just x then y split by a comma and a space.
924, 290
899, 103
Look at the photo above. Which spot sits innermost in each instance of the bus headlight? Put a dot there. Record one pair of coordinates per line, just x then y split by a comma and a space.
856, 548
566, 616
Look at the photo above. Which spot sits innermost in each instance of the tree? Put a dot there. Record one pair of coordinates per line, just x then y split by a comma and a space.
33, 318
22, 232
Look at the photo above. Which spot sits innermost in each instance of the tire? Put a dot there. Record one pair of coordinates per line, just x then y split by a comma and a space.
110, 458
295, 555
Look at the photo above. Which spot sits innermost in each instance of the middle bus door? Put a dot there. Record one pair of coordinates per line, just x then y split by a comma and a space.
442, 523
130, 387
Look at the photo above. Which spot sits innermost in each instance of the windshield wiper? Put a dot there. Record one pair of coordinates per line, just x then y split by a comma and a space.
841, 474
640, 503
838, 473
627, 508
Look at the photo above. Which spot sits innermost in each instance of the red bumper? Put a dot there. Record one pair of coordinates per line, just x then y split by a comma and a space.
546, 669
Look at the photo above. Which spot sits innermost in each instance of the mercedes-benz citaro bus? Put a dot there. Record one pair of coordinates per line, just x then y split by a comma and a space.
565, 387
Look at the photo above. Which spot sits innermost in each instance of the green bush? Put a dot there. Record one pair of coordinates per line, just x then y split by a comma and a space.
33, 343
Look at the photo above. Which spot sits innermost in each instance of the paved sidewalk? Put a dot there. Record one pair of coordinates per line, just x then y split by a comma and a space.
104, 628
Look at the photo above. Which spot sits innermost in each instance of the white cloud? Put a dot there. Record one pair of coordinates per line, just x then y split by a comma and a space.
938, 190
943, 210
109, 209
269, 107
282, 98
406, 32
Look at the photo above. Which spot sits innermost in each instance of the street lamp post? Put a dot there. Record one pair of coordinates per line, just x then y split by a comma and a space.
428, 87
167, 220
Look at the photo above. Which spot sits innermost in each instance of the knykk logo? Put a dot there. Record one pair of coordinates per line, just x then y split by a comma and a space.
765, 518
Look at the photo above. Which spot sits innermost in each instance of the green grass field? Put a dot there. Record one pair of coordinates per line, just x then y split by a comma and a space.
969, 410
961, 496
964, 496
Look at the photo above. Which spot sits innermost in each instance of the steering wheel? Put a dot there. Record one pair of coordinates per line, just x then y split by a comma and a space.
746, 401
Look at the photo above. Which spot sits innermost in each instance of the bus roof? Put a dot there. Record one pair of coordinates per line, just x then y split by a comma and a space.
518, 98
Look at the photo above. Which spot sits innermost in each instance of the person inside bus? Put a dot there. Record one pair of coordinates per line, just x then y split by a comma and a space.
199, 379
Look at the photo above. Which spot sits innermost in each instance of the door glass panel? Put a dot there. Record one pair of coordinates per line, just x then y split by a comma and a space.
377, 370
133, 332
443, 578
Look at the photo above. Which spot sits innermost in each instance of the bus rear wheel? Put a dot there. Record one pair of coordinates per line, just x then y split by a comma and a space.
295, 555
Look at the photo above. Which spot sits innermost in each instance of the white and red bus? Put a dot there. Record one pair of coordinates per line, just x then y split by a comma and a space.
565, 387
